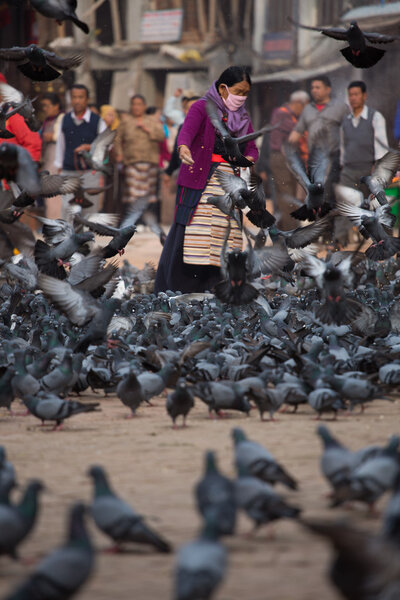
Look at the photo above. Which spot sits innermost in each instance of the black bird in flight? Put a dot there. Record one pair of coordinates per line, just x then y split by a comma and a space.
358, 53
39, 64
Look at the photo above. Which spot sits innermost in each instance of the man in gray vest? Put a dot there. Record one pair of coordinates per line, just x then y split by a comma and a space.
363, 138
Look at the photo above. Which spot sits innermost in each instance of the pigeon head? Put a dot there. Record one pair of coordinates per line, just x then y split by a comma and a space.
325, 435
210, 462
238, 435
101, 486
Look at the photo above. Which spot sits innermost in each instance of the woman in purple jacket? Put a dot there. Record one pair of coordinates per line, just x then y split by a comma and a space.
190, 261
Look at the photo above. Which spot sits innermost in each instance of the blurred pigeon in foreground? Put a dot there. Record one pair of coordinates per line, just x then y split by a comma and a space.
63, 572
117, 519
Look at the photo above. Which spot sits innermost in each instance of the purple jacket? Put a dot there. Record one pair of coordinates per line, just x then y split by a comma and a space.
198, 134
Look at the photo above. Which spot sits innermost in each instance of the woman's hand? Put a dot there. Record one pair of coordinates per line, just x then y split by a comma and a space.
185, 155
250, 158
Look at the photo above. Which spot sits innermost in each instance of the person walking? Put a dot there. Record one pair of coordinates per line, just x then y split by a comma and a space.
286, 116
51, 107
136, 145
363, 138
190, 261
78, 130
322, 115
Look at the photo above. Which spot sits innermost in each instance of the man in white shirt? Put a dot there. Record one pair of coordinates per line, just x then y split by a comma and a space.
363, 138
78, 130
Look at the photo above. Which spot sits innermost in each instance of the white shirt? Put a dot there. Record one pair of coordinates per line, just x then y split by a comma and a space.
380, 137
60, 145
173, 111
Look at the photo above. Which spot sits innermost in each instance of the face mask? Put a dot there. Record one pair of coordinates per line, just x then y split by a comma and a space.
234, 102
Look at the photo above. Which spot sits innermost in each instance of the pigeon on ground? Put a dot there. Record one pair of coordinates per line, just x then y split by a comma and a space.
179, 402
221, 396
130, 392
365, 566
358, 53
256, 460
60, 10
48, 407
200, 566
63, 572
39, 64
215, 497
8, 478
117, 519
260, 501
17, 521
311, 178
324, 399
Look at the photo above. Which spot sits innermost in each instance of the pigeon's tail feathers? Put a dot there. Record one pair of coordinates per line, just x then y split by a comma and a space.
243, 294
365, 59
338, 311
45, 73
381, 197
79, 407
384, 250
308, 214
288, 480
80, 24
223, 291
151, 537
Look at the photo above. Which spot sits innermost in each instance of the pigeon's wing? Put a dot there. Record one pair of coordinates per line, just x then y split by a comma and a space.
212, 111
385, 216
100, 144
257, 187
255, 134
87, 267
319, 161
78, 306
97, 227
386, 167
10, 94
27, 176
379, 38
296, 165
270, 259
302, 236
338, 33
15, 53
63, 63
55, 230
348, 204
314, 267
6, 199
52, 185
135, 212
230, 183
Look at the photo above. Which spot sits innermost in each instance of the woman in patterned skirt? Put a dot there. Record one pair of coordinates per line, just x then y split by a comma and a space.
190, 259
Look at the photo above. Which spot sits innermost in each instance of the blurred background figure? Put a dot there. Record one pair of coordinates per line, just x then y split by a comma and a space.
137, 146
112, 184
51, 107
272, 160
175, 107
78, 130
363, 138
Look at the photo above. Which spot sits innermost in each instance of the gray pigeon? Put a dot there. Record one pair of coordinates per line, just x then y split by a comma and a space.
130, 392
7, 475
61, 10
260, 501
215, 497
17, 521
117, 519
256, 460
179, 402
200, 566
63, 572
48, 407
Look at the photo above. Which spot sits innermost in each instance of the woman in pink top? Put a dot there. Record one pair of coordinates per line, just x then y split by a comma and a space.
190, 258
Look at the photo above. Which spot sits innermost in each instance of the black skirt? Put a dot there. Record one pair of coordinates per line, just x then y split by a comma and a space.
173, 274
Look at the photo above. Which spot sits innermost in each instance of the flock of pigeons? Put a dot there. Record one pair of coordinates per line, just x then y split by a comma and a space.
282, 329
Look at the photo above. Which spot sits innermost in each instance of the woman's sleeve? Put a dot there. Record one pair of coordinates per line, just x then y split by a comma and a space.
251, 148
30, 140
192, 123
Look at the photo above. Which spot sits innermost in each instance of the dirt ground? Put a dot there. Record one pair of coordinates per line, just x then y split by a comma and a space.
155, 468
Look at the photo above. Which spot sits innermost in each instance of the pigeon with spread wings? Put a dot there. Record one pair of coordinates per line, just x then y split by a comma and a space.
232, 144
61, 10
39, 64
382, 175
311, 178
358, 53
96, 157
